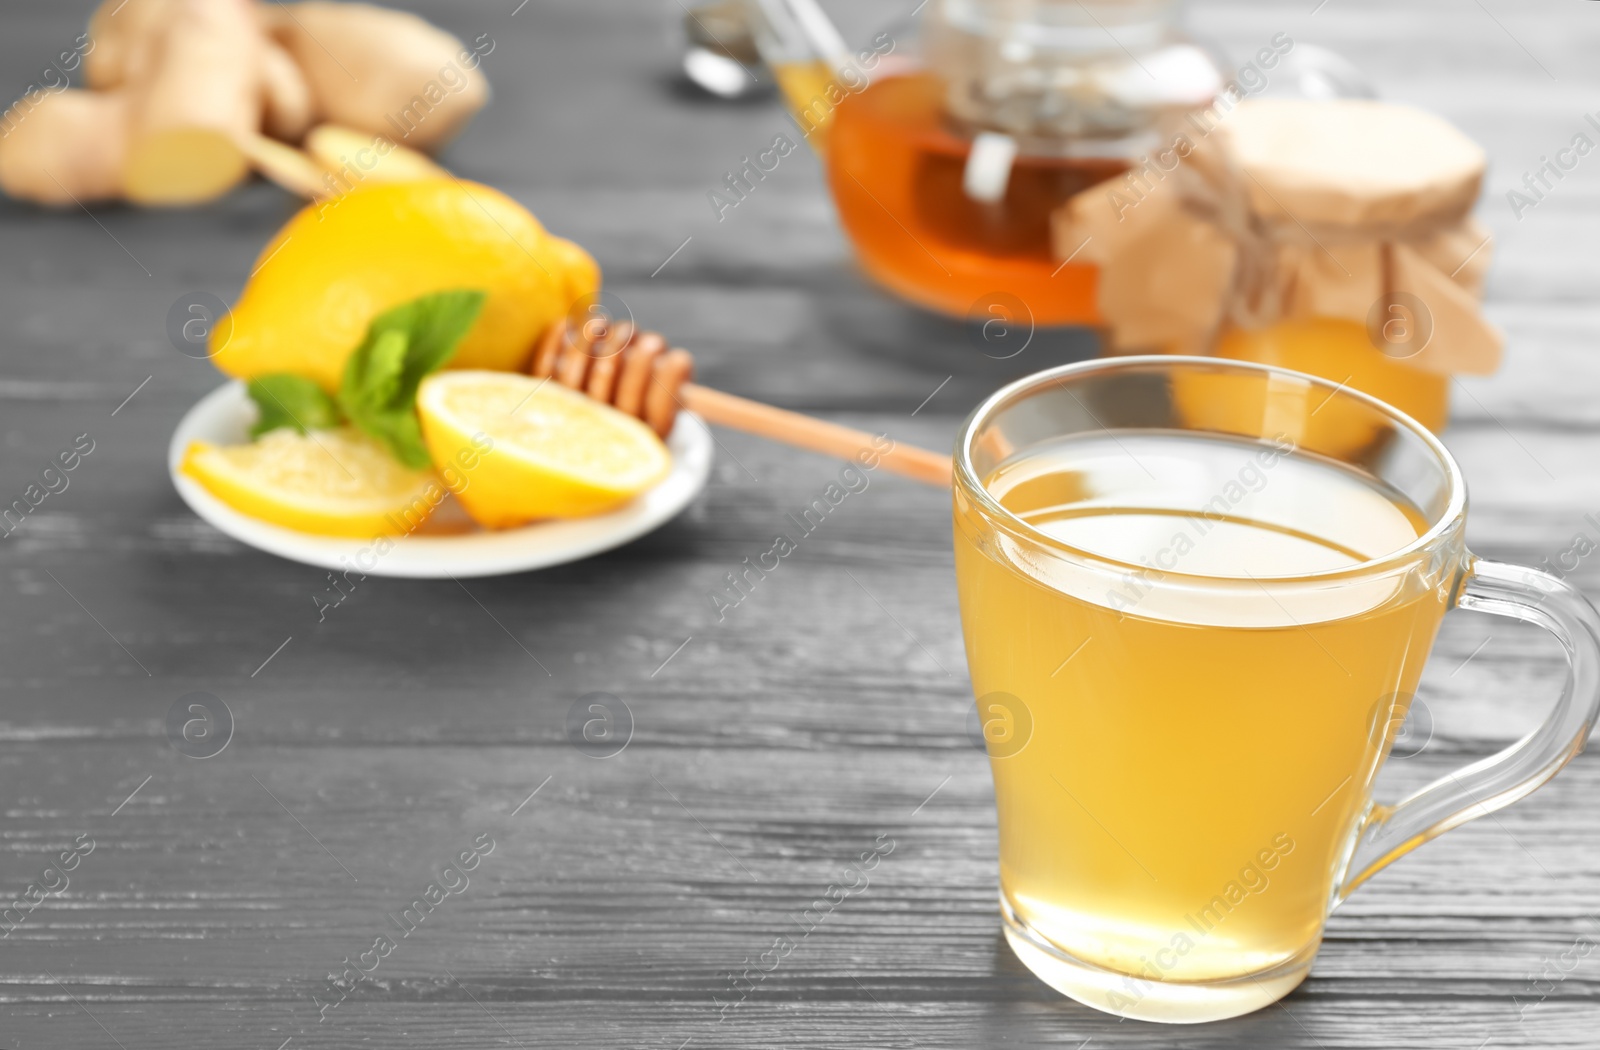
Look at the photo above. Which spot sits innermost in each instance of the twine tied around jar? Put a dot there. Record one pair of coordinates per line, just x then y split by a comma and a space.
1289, 209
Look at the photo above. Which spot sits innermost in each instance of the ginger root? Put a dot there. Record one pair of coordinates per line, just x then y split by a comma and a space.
353, 158
202, 99
125, 34
188, 95
290, 168
291, 109
122, 35
382, 71
67, 150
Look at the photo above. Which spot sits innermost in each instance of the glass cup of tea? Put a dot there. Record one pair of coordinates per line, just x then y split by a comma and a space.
1197, 598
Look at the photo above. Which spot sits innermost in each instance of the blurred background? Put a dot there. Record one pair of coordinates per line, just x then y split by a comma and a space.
767, 750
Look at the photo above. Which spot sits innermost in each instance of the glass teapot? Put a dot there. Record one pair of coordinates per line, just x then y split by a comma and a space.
947, 161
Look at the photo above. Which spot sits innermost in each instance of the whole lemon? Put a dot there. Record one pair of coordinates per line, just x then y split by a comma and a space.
339, 263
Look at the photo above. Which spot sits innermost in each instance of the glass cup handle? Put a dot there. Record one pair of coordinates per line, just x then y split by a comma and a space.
1390, 832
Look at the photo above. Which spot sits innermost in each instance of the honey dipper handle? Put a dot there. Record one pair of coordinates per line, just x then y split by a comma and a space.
801, 431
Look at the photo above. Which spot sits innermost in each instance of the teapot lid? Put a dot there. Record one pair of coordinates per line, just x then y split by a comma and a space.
1063, 76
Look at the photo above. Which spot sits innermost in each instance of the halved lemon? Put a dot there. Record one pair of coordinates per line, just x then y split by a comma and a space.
330, 482
516, 449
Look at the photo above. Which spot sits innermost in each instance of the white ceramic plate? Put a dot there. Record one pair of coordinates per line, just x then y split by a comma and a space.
449, 545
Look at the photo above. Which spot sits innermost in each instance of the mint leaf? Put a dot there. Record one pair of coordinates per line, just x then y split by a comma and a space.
286, 400
379, 388
386, 366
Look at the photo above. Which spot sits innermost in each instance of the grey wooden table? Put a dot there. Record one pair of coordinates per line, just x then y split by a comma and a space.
419, 720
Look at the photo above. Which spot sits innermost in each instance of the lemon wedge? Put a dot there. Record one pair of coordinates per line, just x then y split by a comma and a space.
330, 482
516, 449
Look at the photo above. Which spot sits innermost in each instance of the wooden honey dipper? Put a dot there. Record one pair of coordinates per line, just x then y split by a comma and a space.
636, 372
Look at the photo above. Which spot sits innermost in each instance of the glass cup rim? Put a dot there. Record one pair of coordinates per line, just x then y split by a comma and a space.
966, 476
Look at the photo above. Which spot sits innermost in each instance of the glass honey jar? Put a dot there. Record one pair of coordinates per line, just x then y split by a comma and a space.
1332, 237
1345, 351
